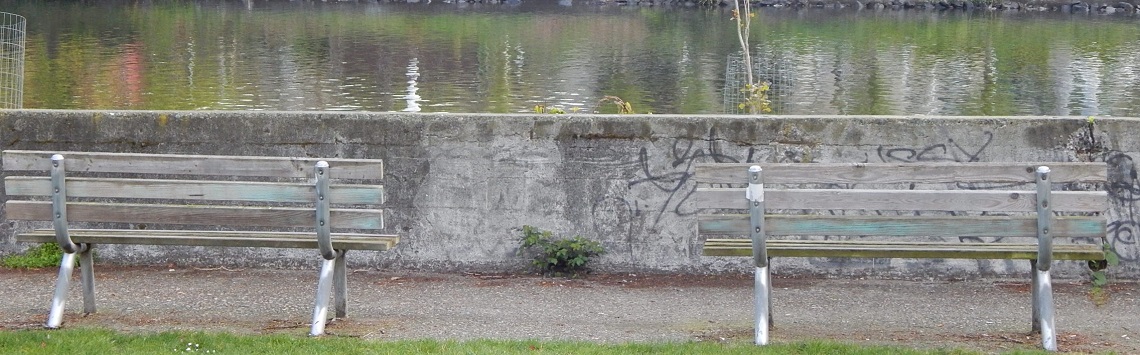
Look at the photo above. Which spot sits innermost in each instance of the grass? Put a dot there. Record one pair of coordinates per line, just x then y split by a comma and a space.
40, 256
101, 341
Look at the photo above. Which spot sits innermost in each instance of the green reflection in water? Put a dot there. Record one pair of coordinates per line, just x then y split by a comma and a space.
313, 56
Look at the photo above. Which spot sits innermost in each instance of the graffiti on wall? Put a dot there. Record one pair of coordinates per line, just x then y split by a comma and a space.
641, 218
669, 191
1122, 186
951, 151
1124, 192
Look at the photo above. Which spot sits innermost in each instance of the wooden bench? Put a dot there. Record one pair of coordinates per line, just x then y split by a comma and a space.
837, 210
197, 200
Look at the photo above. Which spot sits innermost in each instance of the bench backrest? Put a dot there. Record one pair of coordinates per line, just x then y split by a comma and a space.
194, 189
803, 199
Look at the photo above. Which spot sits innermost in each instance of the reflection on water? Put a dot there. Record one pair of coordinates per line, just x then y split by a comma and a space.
464, 57
412, 99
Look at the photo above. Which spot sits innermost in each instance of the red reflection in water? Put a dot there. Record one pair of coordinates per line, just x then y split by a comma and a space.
130, 60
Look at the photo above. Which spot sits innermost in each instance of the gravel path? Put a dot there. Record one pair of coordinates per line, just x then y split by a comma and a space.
984, 315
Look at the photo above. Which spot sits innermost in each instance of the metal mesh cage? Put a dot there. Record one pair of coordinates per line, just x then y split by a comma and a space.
767, 66
12, 33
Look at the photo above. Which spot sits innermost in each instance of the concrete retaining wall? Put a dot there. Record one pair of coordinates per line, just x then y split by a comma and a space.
461, 186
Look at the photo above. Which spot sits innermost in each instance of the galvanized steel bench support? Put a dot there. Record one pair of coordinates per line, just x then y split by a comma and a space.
333, 275
1042, 293
763, 277
67, 265
1042, 296
333, 265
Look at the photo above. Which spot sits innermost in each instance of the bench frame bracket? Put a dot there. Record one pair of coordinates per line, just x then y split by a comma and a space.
1042, 281
763, 277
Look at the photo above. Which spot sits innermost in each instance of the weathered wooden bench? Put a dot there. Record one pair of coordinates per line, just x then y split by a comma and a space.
233, 201
837, 210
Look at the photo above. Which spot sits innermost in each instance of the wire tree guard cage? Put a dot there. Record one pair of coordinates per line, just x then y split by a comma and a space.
12, 34
767, 66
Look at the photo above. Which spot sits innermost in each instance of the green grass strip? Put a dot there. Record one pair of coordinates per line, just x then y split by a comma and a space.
36, 257
101, 341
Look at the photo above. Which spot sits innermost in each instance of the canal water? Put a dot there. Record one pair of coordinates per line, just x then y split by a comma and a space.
435, 56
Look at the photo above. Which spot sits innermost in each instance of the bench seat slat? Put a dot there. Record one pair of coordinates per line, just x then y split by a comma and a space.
903, 200
196, 214
855, 249
881, 173
901, 226
180, 164
194, 190
351, 241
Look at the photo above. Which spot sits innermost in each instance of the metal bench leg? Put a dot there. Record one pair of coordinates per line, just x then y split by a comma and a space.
1035, 326
763, 291
324, 284
87, 275
763, 287
66, 267
340, 285
771, 319
1042, 282
1043, 287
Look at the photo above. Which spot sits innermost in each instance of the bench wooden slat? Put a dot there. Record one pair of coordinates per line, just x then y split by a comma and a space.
903, 200
178, 164
901, 226
881, 173
351, 241
194, 190
794, 248
196, 215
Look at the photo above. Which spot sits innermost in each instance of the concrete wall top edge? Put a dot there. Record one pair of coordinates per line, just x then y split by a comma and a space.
568, 117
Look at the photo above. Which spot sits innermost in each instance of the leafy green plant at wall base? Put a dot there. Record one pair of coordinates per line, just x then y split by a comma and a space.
558, 256
1098, 294
1099, 278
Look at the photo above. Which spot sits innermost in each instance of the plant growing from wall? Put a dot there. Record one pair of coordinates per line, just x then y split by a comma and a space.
41, 256
558, 257
623, 107
548, 109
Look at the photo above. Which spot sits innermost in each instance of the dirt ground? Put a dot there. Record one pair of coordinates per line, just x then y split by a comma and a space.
986, 315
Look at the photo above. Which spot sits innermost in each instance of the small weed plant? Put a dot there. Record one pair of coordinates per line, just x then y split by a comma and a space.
623, 107
41, 256
1098, 294
558, 257
549, 109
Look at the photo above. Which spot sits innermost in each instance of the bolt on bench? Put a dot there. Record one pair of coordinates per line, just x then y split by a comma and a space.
854, 201
273, 202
